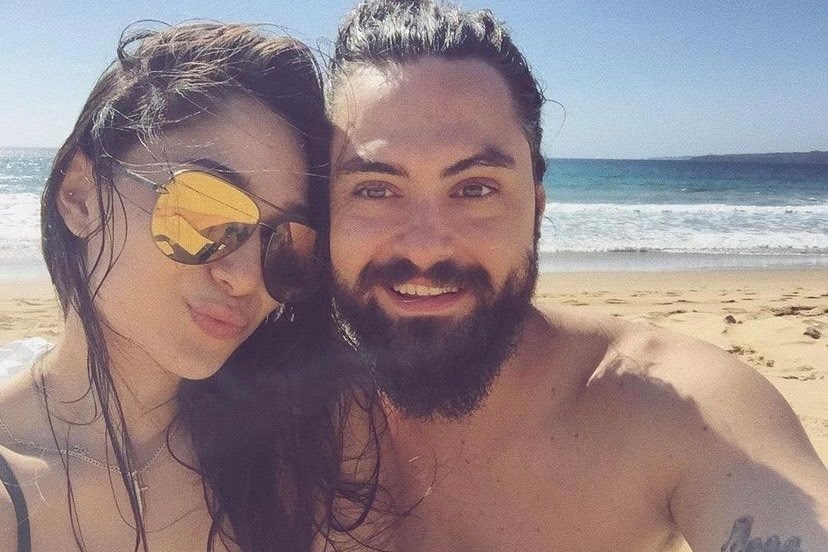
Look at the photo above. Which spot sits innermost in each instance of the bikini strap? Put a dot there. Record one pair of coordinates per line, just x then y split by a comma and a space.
7, 477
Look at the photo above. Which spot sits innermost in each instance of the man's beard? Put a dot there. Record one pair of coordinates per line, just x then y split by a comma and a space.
431, 366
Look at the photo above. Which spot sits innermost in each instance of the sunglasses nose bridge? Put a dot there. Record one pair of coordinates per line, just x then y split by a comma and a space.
240, 272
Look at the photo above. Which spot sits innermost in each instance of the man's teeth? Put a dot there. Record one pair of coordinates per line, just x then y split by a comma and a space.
424, 291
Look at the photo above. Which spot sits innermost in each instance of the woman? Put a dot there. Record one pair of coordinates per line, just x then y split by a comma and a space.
178, 223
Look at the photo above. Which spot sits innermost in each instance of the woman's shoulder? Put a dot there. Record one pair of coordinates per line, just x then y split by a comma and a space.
8, 518
14, 512
20, 410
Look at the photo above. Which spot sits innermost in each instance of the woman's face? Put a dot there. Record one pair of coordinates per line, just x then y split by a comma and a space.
189, 318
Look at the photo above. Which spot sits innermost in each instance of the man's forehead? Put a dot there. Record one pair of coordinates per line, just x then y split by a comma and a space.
418, 84
423, 106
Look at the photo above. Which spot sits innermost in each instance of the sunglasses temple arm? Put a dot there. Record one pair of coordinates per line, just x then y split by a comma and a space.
142, 180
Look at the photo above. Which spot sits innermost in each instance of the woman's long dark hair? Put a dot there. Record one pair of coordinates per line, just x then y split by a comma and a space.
161, 78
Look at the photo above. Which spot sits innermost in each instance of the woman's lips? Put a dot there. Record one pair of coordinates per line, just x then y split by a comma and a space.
218, 321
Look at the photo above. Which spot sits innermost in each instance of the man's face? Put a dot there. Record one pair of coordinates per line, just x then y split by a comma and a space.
432, 227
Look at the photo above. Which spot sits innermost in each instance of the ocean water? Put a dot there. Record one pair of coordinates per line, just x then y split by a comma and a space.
23, 172
631, 214
600, 214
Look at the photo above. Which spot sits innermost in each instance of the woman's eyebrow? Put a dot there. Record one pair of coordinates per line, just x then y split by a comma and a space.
237, 178
242, 181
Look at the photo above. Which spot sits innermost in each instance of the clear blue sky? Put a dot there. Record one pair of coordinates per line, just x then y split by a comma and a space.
638, 79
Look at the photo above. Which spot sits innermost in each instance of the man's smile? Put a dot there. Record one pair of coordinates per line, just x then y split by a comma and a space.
424, 299
414, 290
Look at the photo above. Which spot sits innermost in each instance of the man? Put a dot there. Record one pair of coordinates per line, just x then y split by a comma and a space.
510, 428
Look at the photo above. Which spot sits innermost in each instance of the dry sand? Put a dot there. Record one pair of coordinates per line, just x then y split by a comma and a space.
770, 313
28, 308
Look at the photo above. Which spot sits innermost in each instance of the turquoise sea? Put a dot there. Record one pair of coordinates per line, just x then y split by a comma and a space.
600, 214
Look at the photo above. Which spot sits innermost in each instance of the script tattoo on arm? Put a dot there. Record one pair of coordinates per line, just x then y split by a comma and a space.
740, 540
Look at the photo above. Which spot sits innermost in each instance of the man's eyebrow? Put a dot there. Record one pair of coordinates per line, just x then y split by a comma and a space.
359, 164
491, 156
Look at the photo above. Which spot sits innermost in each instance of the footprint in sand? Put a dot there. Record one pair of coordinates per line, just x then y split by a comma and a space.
800, 373
740, 350
792, 310
655, 315
759, 362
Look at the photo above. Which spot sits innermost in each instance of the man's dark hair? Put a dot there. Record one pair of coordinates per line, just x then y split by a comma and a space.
378, 32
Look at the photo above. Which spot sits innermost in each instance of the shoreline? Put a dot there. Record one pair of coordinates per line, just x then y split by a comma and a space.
661, 261
570, 262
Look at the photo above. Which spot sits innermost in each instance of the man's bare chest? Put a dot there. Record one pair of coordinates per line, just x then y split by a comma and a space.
532, 512
566, 490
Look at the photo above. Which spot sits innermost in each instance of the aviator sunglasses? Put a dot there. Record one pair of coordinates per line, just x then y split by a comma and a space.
199, 218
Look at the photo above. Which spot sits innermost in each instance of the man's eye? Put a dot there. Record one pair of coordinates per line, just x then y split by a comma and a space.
373, 192
474, 189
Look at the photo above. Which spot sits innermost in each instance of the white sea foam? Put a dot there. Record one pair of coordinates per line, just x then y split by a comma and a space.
19, 226
695, 228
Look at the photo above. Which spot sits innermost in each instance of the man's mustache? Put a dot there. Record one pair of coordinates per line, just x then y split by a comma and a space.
443, 273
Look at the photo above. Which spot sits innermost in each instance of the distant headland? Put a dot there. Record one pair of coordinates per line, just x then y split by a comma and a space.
801, 158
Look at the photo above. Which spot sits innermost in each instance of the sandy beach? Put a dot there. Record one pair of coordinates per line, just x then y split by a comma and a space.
775, 321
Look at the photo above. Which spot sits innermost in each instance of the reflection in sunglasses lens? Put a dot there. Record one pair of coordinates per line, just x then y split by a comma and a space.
202, 218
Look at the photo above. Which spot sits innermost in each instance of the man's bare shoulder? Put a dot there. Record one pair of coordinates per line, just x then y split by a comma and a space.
725, 442
690, 386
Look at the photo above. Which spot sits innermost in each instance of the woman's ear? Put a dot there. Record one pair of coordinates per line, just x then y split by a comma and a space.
77, 198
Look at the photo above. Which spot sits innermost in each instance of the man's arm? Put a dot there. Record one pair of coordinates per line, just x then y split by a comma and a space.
750, 480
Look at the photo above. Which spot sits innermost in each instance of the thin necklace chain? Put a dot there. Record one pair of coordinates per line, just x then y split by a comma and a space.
78, 451
81, 452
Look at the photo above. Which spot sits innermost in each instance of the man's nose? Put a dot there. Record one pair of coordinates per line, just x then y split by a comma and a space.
425, 235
